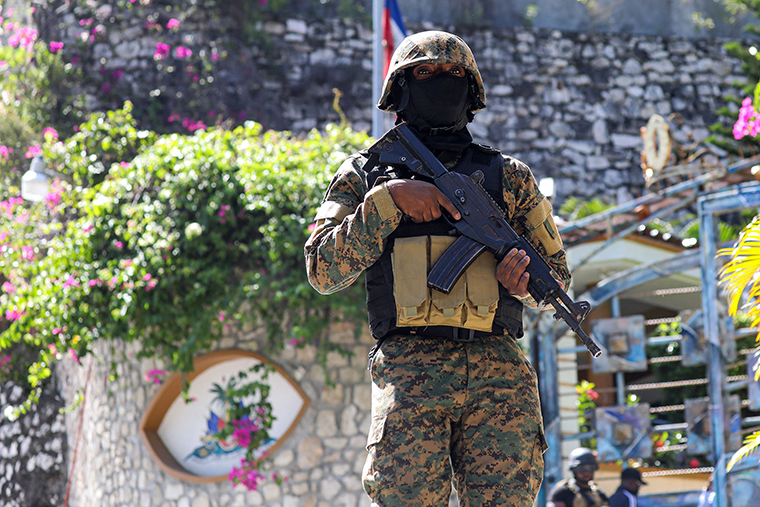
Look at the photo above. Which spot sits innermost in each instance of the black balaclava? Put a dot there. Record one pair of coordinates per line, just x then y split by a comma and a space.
439, 101
438, 108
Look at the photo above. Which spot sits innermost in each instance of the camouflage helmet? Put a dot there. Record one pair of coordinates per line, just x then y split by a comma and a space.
581, 456
433, 47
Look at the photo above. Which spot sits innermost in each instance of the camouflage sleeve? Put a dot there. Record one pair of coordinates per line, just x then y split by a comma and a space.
352, 226
531, 216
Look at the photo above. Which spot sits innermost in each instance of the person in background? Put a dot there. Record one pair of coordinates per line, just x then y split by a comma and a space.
626, 494
707, 497
580, 490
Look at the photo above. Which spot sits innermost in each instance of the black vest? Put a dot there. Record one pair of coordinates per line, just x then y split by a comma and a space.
381, 305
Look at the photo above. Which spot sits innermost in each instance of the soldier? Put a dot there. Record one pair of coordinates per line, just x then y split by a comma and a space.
453, 396
580, 491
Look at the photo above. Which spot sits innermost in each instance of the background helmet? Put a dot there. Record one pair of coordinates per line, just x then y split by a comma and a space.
581, 456
435, 48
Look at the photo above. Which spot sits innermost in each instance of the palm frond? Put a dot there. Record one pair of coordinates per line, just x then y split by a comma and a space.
750, 444
743, 270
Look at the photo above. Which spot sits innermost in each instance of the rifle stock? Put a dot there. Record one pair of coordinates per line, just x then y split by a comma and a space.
482, 227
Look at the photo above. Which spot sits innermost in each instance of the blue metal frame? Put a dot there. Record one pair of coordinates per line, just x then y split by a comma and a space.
544, 343
738, 198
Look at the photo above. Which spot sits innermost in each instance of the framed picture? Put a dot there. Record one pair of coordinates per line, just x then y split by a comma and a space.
623, 432
623, 341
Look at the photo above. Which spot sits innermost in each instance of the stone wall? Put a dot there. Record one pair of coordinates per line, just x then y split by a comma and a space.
33, 451
569, 104
322, 457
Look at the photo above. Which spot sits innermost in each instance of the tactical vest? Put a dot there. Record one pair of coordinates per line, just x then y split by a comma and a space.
381, 302
586, 498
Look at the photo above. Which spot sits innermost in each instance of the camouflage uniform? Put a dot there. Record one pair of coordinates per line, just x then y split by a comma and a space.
438, 404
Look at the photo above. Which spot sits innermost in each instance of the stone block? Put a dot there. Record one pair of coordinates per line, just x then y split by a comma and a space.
310, 453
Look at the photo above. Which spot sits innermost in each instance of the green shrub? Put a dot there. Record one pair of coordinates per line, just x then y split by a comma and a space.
195, 233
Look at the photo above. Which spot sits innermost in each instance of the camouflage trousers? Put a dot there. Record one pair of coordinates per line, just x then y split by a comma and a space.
444, 411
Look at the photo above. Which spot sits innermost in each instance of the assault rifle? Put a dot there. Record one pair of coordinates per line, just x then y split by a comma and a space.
482, 227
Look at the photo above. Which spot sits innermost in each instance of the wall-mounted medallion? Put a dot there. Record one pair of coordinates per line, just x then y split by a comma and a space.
180, 435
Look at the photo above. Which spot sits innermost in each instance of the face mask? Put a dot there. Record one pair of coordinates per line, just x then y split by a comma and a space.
441, 100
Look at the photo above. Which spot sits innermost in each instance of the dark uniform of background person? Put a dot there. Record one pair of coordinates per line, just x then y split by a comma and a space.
580, 490
627, 494
453, 396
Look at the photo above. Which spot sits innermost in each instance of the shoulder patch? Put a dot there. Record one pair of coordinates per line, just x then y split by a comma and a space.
485, 148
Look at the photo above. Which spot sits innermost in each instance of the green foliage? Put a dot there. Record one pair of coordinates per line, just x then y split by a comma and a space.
15, 138
37, 84
575, 208
195, 233
102, 141
586, 404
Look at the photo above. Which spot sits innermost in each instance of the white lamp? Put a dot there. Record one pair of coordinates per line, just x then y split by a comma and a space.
35, 183
546, 187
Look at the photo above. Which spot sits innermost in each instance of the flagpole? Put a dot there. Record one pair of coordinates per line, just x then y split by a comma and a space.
377, 66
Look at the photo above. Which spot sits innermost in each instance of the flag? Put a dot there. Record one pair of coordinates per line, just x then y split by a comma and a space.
394, 31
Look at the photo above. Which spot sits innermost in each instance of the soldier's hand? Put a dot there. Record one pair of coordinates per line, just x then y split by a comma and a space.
420, 200
511, 272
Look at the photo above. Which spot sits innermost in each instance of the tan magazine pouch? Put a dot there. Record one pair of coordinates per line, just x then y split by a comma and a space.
482, 293
410, 265
472, 302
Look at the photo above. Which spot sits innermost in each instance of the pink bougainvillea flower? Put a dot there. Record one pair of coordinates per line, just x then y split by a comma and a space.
151, 285
193, 125
119, 244
162, 51
172, 23
27, 253
70, 282
215, 56
13, 314
247, 475
85, 22
117, 73
183, 52
155, 376
748, 123
23, 37
54, 198
5, 152
52, 348
74, 356
33, 151
8, 287
55, 46
49, 132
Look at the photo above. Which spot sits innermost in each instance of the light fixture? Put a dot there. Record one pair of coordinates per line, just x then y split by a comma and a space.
546, 187
35, 183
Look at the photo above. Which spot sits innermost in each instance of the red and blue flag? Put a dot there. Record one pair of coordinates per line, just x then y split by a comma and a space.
394, 31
